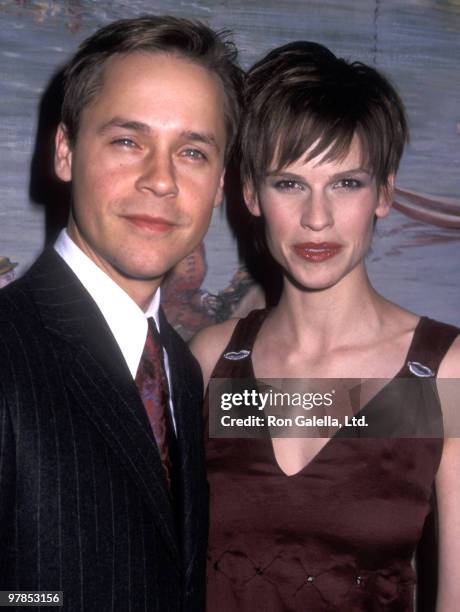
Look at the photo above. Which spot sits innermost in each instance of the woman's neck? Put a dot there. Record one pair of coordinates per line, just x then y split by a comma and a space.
336, 315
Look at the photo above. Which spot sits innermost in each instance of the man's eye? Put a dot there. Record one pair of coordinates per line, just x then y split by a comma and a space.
125, 142
348, 183
288, 185
194, 154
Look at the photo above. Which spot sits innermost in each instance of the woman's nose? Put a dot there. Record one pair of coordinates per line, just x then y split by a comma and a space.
316, 213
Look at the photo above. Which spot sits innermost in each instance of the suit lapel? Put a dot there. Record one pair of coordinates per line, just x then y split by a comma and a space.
99, 380
187, 397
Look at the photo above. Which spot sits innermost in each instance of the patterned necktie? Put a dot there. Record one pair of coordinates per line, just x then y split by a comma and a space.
153, 388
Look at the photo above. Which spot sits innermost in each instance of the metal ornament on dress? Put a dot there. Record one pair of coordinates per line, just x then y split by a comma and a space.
420, 370
234, 356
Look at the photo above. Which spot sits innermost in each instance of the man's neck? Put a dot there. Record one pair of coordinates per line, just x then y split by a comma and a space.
141, 291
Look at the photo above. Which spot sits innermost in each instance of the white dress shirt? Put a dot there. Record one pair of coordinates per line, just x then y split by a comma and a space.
127, 322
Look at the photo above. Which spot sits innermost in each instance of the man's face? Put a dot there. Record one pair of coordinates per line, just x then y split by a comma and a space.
147, 166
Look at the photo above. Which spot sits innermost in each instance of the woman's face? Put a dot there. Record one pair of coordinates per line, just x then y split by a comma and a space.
319, 216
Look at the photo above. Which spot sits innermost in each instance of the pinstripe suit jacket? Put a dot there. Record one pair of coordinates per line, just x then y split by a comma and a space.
84, 506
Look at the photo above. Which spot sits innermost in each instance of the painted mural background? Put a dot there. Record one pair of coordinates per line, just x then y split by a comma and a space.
415, 42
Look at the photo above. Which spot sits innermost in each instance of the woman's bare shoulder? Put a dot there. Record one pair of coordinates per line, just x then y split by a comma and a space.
450, 365
208, 344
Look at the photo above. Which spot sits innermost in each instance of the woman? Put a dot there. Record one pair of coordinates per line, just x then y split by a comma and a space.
312, 523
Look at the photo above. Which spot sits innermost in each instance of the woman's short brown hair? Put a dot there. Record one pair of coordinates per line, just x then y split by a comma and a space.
301, 97
190, 39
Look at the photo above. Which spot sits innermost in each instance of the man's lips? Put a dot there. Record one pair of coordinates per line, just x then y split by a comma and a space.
317, 252
154, 224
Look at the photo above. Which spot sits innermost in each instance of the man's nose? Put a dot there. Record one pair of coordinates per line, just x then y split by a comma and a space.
158, 175
316, 213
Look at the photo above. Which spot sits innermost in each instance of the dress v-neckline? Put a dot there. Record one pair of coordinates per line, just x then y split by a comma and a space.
268, 439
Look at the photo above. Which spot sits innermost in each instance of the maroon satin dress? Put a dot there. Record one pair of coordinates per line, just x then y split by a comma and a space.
340, 534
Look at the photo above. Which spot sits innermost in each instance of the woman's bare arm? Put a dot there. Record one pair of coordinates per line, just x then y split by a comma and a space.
448, 485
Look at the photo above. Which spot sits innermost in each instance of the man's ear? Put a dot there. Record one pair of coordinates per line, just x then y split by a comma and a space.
62, 154
251, 199
220, 191
386, 193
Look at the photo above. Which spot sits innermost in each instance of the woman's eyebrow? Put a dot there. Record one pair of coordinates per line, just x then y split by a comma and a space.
351, 172
298, 177
292, 176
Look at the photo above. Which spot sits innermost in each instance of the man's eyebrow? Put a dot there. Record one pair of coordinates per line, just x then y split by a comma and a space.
204, 137
138, 126
127, 124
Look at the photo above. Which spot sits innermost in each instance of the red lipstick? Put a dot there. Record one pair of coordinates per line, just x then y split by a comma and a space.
154, 224
317, 252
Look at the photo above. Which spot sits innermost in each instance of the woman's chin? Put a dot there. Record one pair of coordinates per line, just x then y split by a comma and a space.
312, 282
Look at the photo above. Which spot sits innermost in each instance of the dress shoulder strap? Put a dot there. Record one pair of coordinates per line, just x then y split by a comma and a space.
235, 361
432, 340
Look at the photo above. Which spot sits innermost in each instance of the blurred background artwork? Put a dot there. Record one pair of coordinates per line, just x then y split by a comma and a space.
415, 257
6, 271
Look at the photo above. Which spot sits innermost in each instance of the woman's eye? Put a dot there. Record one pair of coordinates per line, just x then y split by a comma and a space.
348, 183
194, 154
288, 185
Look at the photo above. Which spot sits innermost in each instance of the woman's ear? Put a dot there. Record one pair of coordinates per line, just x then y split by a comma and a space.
385, 197
251, 199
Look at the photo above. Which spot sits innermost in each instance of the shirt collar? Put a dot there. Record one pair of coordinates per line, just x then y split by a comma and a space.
127, 322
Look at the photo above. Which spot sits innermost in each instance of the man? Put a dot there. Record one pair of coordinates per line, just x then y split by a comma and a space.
102, 483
